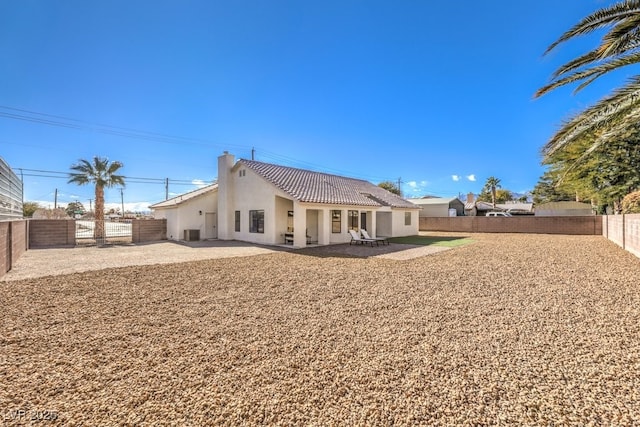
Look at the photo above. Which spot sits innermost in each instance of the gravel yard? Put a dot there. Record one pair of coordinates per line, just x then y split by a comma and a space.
509, 330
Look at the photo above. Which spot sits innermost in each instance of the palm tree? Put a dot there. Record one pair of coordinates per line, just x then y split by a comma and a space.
619, 47
492, 185
102, 174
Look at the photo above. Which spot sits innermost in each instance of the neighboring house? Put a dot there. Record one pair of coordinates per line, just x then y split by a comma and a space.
516, 208
439, 206
478, 208
564, 209
10, 193
481, 208
272, 204
195, 210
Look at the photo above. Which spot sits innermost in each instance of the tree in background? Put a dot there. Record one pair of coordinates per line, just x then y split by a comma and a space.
101, 174
28, 208
74, 208
390, 186
548, 189
631, 203
489, 191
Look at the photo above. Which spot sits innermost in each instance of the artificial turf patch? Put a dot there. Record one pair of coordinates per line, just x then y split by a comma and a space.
449, 242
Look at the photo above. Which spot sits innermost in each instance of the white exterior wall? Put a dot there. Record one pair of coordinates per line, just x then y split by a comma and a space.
384, 222
187, 215
397, 223
251, 192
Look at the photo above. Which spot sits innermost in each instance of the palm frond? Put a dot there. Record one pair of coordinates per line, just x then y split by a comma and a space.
622, 38
599, 70
623, 103
599, 19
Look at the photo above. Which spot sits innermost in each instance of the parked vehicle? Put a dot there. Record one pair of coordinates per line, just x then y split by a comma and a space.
502, 214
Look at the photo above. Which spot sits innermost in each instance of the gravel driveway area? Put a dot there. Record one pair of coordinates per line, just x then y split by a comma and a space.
57, 261
510, 330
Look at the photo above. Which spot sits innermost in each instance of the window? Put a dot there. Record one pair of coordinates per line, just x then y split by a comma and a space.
407, 218
336, 221
353, 220
237, 220
289, 221
256, 221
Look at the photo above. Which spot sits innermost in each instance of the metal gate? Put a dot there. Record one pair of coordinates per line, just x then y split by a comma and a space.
103, 232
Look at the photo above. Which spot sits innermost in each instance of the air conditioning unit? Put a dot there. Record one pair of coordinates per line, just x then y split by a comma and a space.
191, 235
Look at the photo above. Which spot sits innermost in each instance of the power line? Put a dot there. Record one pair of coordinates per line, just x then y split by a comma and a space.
71, 123
131, 179
77, 124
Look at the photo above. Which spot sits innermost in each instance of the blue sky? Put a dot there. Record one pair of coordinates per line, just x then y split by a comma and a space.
438, 94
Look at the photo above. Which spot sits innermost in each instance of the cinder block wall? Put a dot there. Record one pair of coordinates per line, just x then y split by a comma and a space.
148, 230
623, 230
45, 233
587, 225
5, 247
13, 243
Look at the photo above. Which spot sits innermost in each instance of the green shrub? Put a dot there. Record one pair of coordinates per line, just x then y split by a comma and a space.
631, 203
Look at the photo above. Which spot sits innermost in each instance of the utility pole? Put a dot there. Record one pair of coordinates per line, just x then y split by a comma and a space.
399, 189
55, 200
253, 153
166, 189
122, 201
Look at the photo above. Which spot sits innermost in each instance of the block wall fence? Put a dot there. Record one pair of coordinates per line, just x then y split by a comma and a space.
623, 230
588, 225
16, 237
13, 243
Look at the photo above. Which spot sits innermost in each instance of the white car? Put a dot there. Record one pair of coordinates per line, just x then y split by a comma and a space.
504, 214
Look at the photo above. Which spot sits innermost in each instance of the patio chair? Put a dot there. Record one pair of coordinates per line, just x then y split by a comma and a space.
365, 234
355, 237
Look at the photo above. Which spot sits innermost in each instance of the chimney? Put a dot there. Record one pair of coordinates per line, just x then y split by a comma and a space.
225, 199
470, 197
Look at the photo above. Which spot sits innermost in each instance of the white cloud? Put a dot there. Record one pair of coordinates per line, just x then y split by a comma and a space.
455, 177
414, 188
198, 182
471, 178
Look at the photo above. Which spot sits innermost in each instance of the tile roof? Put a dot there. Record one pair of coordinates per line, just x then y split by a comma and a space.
184, 197
317, 187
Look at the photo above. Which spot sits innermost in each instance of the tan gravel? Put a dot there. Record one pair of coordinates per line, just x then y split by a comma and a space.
511, 330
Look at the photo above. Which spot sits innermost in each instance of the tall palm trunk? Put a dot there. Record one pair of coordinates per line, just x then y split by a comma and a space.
99, 216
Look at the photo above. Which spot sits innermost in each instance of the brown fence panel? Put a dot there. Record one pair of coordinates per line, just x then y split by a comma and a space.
148, 230
5, 247
44, 233
13, 243
587, 225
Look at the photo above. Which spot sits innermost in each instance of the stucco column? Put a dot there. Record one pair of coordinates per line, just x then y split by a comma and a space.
373, 226
299, 225
324, 226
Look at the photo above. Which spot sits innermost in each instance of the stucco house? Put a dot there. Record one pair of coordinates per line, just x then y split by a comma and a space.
271, 204
439, 206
